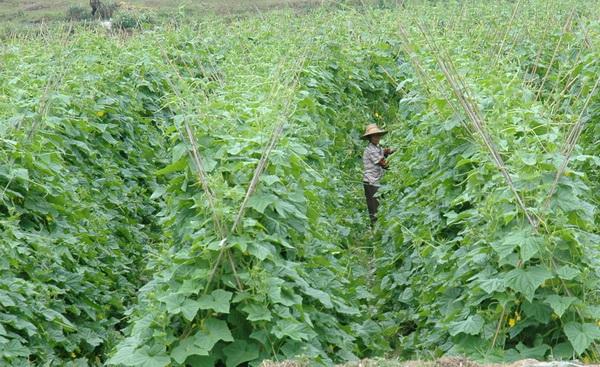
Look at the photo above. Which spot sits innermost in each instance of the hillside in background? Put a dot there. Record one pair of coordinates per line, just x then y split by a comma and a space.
48, 10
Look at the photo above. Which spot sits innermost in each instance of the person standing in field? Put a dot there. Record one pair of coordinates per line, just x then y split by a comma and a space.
95, 5
375, 164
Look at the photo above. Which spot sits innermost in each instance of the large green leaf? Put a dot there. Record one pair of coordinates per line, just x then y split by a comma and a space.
527, 280
471, 326
559, 303
567, 272
528, 243
218, 301
291, 328
239, 352
493, 285
257, 312
581, 335
203, 341
144, 359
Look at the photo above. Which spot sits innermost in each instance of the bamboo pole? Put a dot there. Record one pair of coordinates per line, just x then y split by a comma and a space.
461, 91
569, 146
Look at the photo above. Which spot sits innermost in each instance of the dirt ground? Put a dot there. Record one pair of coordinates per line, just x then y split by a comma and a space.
442, 362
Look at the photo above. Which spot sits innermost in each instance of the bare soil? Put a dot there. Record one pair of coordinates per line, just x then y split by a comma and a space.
442, 362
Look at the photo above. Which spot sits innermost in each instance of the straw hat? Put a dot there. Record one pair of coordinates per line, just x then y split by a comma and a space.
373, 129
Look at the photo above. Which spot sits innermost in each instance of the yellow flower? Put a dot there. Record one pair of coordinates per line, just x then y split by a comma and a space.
100, 113
512, 322
73, 355
587, 360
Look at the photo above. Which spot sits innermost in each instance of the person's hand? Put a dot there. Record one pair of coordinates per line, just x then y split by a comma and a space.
383, 163
388, 151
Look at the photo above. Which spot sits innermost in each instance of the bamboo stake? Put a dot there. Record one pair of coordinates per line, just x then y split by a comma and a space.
458, 86
194, 154
537, 57
572, 139
275, 136
565, 30
423, 76
568, 85
203, 179
52, 85
512, 18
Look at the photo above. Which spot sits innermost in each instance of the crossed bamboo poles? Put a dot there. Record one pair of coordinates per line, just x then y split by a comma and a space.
462, 93
187, 136
52, 85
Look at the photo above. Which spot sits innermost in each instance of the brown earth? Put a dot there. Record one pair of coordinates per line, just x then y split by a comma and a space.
442, 362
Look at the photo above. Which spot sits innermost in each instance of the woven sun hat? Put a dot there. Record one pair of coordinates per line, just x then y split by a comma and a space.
373, 129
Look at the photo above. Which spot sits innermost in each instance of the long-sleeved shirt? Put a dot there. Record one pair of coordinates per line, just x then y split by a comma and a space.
373, 171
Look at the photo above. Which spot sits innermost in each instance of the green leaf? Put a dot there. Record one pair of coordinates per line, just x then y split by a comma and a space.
560, 304
285, 207
471, 326
563, 351
537, 352
129, 356
203, 341
323, 297
13, 349
504, 248
218, 329
173, 302
591, 311
201, 361
239, 352
291, 328
269, 179
174, 167
218, 301
158, 192
260, 250
527, 281
257, 312
90, 337
189, 309
493, 285
143, 358
528, 243
529, 247
537, 311
186, 348
567, 272
5, 300
260, 201
529, 159
581, 335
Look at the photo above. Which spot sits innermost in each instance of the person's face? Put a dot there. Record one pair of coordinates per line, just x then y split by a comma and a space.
375, 139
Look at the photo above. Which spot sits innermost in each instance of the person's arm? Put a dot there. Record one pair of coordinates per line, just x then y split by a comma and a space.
388, 151
378, 159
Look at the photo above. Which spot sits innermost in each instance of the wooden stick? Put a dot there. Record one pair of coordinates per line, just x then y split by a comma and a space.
512, 18
458, 86
565, 28
569, 146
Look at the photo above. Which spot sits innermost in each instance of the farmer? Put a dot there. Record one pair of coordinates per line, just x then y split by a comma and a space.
95, 4
374, 161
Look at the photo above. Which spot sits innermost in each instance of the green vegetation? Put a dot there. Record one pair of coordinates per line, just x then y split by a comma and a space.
191, 194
